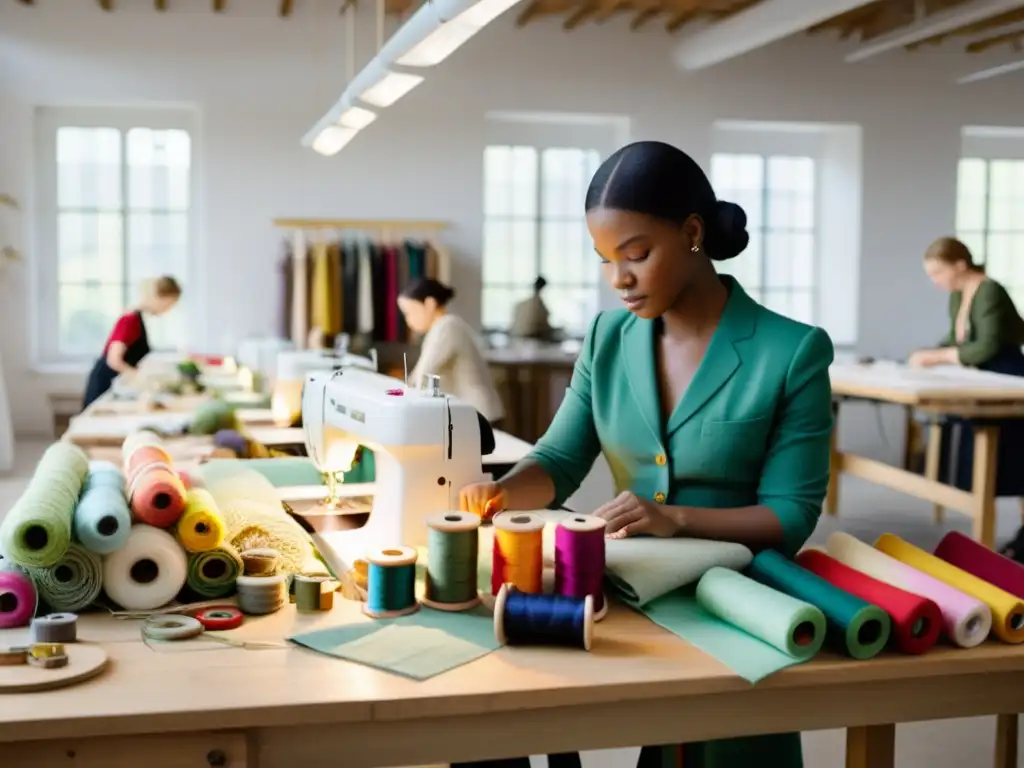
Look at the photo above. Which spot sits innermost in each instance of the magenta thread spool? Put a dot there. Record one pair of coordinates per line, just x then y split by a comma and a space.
579, 560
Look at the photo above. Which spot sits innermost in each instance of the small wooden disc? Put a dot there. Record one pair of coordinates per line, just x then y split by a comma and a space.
454, 522
84, 662
583, 523
518, 522
393, 557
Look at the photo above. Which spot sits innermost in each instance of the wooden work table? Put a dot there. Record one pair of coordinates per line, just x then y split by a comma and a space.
287, 706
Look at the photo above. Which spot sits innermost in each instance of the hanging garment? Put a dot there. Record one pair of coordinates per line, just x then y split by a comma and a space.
417, 260
350, 286
391, 294
284, 318
365, 318
300, 290
402, 259
380, 291
337, 298
432, 265
320, 291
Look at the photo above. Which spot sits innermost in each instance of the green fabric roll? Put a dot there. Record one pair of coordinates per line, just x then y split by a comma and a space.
855, 626
212, 417
212, 574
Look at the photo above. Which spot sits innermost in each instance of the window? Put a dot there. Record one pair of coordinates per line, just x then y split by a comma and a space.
990, 218
115, 194
778, 194
534, 225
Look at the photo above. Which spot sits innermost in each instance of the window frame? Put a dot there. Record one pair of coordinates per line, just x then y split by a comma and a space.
45, 275
538, 220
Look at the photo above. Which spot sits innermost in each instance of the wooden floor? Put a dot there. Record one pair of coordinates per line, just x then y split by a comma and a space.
866, 512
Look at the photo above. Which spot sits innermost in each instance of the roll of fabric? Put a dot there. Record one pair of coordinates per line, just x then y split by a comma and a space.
213, 416
201, 527
212, 574
855, 626
104, 474
144, 457
967, 620
148, 572
916, 620
977, 559
102, 518
157, 496
73, 583
137, 440
37, 530
1007, 610
18, 597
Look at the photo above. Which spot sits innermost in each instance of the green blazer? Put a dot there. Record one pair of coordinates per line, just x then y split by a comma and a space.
753, 427
993, 324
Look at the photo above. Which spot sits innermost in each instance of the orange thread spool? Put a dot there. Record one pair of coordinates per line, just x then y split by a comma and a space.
157, 496
145, 455
518, 554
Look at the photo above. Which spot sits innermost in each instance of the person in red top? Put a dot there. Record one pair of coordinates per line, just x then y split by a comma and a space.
127, 343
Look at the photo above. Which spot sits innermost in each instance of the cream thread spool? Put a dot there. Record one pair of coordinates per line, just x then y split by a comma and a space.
260, 595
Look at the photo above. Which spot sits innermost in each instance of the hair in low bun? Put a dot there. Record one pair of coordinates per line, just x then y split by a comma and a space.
657, 179
428, 288
725, 235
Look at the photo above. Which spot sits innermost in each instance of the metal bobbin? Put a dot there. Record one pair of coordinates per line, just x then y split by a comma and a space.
54, 628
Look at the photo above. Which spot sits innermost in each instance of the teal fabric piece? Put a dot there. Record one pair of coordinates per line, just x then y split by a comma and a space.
750, 658
284, 471
419, 646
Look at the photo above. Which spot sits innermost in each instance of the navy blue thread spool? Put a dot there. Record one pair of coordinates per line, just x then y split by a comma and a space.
391, 583
521, 618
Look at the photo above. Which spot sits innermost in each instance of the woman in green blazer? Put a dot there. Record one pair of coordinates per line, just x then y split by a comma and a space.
713, 412
986, 332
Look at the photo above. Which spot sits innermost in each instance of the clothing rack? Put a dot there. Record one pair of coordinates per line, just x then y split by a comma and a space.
344, 276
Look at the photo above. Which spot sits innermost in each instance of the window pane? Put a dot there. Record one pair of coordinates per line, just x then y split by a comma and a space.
972, 177
524, 181
1000, 257
157, 245
801, 306
497, 252
565, 175
746, 267
1004, 212
167, 333
563, 253
794, 174
499, 304
86, 316
88, 168
777, 301
498, 181
781, 214
1003, 177
736, 173
975, 242
801, 259
572, 308
159, 164
90, 248
778, 260
524, 252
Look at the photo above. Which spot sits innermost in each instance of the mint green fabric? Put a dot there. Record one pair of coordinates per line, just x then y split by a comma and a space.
419, 646
752, 428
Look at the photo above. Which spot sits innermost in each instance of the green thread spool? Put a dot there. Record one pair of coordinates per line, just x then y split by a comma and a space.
452, 548
311, 594
391, 583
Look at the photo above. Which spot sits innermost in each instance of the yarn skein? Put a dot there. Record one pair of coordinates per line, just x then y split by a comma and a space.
201, 526
102, 519
212, 574
73, 583
37, 530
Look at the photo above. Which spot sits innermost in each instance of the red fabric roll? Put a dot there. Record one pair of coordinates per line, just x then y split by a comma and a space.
157, 496
978, 560
909, 612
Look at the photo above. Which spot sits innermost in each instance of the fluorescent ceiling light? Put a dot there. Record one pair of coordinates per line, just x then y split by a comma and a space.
356, 117
332, 139
447, 39
985, 74
936, 24
378, 86
477, 15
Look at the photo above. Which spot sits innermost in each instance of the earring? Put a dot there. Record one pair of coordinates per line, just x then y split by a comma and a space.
695, 248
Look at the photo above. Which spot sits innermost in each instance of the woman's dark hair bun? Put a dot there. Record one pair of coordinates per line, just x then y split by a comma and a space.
428, 288
726, 236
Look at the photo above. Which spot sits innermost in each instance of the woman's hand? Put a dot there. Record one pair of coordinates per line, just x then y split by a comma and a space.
926, 358
627, 515
482, 499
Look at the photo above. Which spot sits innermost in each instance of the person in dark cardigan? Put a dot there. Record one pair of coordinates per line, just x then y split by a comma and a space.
986, 332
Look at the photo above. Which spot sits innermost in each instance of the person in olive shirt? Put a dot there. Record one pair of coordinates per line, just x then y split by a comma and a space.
986, 332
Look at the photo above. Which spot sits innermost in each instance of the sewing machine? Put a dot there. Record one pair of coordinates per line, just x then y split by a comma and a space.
292, 368
426, 446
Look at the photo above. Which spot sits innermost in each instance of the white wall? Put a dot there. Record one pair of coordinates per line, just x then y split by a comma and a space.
259, 83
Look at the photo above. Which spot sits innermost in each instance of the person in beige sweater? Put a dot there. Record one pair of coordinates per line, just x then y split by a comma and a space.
450, 349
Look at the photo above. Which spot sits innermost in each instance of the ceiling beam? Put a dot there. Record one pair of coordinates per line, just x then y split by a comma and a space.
940, 23
580, 15
1014, 35
758, 26
529, 13
643, 17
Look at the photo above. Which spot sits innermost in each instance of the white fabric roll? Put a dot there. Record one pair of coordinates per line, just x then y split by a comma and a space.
148, 572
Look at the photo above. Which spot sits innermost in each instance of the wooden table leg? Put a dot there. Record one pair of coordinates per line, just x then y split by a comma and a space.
1006, 741
983, 483
871, 746
832, 495
932, 464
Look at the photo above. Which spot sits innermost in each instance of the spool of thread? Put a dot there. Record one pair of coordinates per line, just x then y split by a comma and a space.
580, 559
148, 572
156, 496
261, 562
518, 553
220, 618
102, 518
146, 456
104, 474
978, 560
391, 583
260, 595
55, 628
916, 621
18, 598
521, 618
171, 627
453, 540
213, 573
313, 594
967, 621
201, 526
133, 442
36, 531
73, 583
1007, 610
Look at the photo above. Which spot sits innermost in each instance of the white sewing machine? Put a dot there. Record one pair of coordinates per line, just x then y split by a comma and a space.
290, 375
426, 448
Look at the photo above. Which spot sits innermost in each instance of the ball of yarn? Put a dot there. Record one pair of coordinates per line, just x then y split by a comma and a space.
73, 583
213, 416
37, 530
